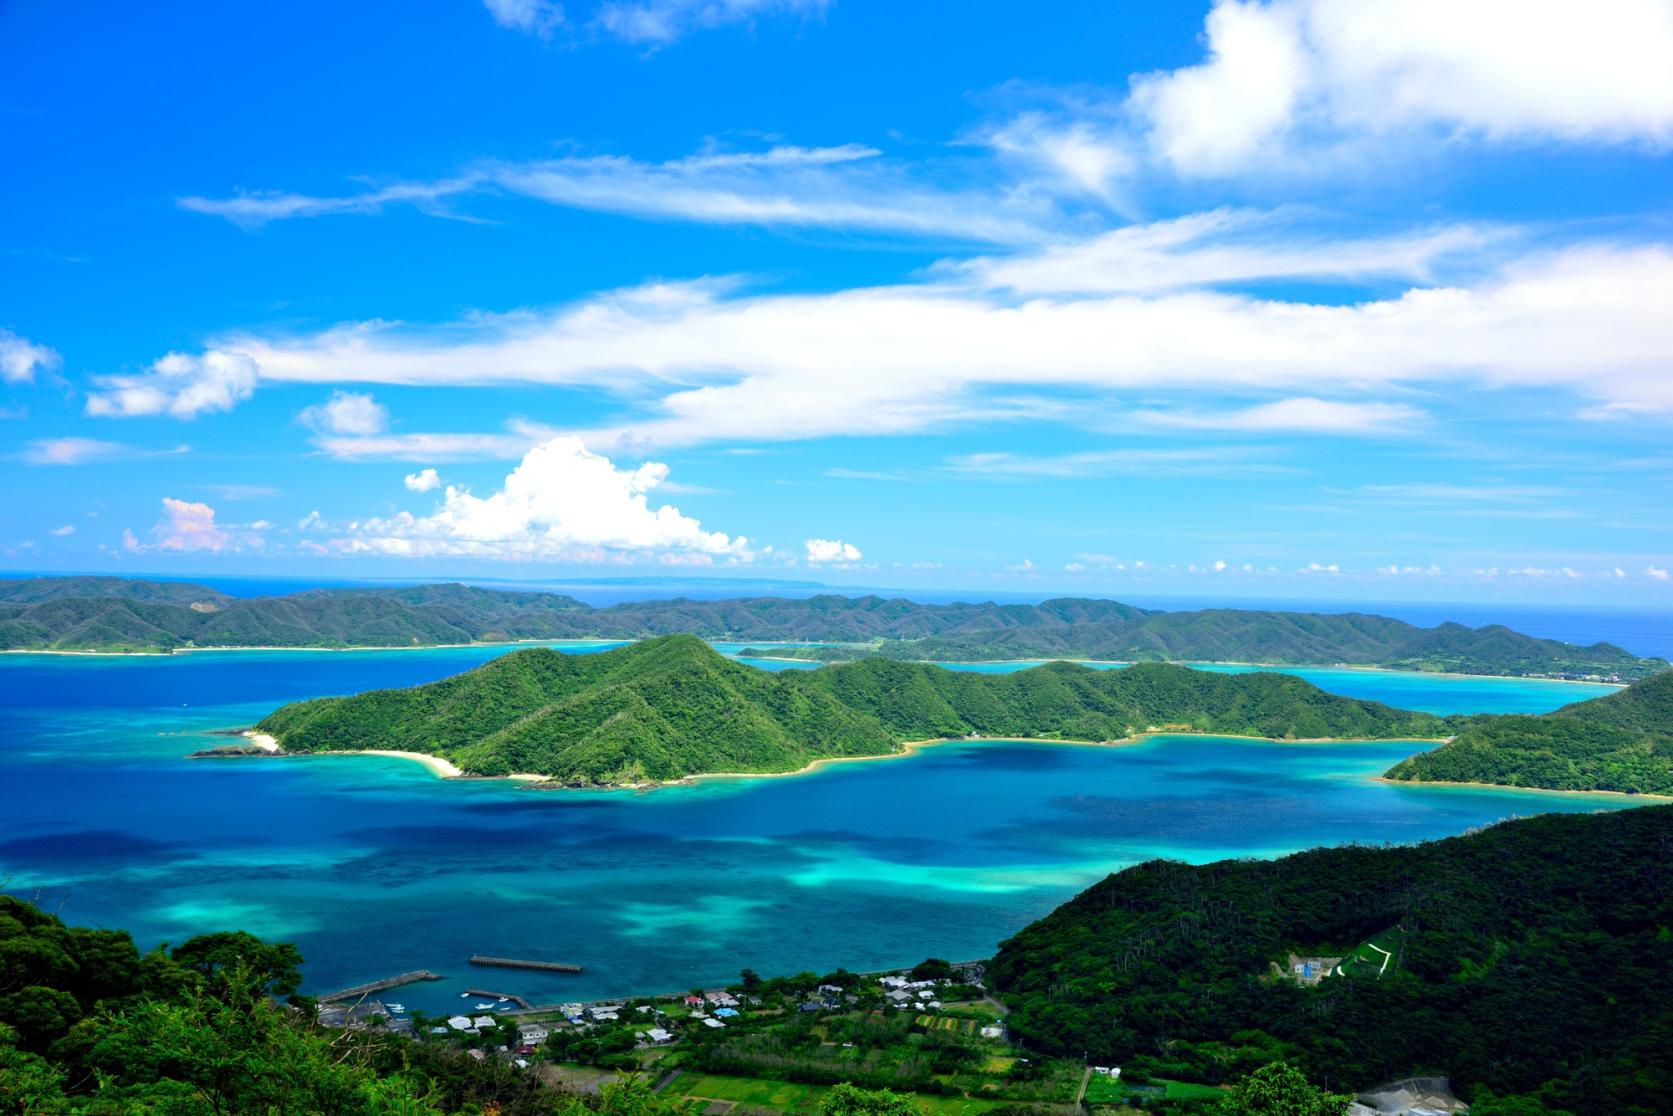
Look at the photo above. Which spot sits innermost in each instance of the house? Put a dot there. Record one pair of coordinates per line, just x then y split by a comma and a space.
811, 1005
713, 1023
530, 1034
459, 1022
604, 1016
831, 989
925, 994
658, 1035
721, 998
483, 1022
892, 982
1111, 1072
726, 1013
899, 998
477, 1054
933, 1005
993, 1031
694, 1001
644, 1009
438, 1030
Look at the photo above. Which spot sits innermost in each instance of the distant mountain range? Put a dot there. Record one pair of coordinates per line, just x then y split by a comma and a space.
672, 706
116, 614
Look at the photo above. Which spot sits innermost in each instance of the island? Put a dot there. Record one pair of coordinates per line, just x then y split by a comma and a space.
672, 707
107, 614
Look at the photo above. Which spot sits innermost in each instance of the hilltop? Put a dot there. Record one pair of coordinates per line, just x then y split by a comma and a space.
1529, 957
671, 706
1620, 742
112, 614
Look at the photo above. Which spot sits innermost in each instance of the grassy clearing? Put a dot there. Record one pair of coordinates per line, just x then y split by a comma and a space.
797, 1100
1377, 956
1103, 1091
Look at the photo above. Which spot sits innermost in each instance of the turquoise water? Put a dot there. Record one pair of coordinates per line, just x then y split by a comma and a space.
373, 866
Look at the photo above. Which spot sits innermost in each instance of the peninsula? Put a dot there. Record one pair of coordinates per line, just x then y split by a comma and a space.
108, 614
671, 707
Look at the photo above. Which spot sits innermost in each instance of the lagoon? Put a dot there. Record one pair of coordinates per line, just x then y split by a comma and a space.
373, 866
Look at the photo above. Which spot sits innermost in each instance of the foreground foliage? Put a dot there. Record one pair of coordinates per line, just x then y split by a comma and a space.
1534, 961
89, 1025
672, 706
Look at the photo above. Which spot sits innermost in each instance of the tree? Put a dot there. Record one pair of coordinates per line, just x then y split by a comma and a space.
275, 969
848, 1100
1279, 1089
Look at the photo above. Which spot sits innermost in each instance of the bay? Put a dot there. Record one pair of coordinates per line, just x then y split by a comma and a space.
372, 866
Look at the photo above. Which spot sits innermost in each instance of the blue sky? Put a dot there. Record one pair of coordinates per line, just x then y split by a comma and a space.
1291, 298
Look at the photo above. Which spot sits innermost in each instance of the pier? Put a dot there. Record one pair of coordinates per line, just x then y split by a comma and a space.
360, 990
514, 963
512, 996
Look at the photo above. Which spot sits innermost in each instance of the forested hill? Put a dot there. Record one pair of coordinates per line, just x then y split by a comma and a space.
672, 706
1529, 958
1620, 742
111, 614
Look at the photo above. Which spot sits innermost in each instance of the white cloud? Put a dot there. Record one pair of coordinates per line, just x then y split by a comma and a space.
1300, 416
1209, 461
659, 22
346, 413
518, 439
180, 384
21, 358
422, 481
561, 502
831, 550
847, 186
1656, 572
189, 526
65, 531
87, 451
1292, 78
1222, 246
1590, 322
537, 17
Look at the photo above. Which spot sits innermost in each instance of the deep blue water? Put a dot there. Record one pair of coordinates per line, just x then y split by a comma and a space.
373, 866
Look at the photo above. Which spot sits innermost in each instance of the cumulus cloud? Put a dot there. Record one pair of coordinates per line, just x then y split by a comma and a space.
422, 481
1657, 572
1290, 77
186, 525
189, 526
87, 451
561, 502
831, 550
64, 532
180, 384
346, 413
1298, 416
21, 358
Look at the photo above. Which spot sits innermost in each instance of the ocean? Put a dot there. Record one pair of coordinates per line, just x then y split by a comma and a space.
373, 866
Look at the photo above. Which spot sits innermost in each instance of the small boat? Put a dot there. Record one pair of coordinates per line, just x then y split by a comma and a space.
396, 1007
503, 1000
484, 1007
464, 995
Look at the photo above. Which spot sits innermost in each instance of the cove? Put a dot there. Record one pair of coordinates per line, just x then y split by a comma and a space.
372, 866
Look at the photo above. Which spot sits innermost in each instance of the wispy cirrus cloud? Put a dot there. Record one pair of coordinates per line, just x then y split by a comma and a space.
88, 451
847, 186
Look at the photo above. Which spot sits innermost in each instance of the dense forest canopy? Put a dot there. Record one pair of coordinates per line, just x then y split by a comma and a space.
1620, 742
113, 614
672, 706
1530, 959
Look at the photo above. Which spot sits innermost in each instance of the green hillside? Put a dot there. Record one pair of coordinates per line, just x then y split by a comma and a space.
672, 706
1620, 742
111, 614
1531, 958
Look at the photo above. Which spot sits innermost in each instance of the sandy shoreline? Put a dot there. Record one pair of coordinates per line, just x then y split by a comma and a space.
1434, 783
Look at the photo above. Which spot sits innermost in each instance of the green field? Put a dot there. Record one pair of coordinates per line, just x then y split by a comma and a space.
783, 1096
1102, 1090
1376, 957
